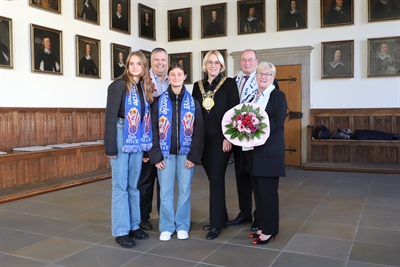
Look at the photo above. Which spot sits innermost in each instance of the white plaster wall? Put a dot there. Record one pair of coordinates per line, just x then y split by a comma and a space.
20, 87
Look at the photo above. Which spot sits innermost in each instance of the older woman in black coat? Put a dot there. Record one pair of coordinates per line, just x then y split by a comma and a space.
267, 162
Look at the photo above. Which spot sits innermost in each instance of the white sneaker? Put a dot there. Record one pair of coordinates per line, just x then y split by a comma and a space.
165, 236
182, 234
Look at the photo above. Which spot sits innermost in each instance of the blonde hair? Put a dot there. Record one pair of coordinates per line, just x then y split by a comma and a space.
145, 76
266, 65
220, 59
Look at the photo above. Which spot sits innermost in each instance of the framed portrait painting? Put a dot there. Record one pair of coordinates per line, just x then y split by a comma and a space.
383, 10
337, 12
87, 57
147, 22
147, 54
6, 43
213, 20
180, 24
337, 59
119, 54
46, 50
185, 59
224, 54
383, 57
120, 16
49, 5
292, 14
88, 11
251, 16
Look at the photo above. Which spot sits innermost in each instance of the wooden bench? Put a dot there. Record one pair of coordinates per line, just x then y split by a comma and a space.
28, 173
354, 155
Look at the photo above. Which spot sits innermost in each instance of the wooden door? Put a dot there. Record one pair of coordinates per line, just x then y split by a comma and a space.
289, 80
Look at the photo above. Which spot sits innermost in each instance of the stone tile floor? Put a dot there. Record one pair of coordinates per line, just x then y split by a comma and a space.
327, 219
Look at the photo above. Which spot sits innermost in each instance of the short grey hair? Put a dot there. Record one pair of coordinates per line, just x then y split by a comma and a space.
158, 49
266, 65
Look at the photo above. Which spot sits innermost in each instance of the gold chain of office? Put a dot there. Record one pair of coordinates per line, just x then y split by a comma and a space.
208, 98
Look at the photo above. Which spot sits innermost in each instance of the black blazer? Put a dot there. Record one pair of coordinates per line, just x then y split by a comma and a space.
197, 146
269, 159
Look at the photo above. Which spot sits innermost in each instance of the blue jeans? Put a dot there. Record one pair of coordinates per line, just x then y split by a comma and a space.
125, 202
169, 220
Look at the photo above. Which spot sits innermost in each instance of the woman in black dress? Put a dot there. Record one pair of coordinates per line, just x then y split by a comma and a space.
217, 94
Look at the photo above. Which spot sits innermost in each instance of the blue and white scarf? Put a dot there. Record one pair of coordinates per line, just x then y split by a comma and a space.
137, 131
249, 90
165, 110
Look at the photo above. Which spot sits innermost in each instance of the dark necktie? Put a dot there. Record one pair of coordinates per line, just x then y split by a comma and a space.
244, 83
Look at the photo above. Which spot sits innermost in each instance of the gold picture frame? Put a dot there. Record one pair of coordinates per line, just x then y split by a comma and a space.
88, 11
88, 59
337, 60
120, 16
48, 5
333, 15
46, 50
6, 43
147, 22
119, 54
180, 24
213, 20
382, 57
185, 59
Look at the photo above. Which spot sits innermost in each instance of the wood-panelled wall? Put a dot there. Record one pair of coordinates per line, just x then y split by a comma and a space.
21, 127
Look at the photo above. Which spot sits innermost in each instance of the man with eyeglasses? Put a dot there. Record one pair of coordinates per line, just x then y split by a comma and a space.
247, 86
147, 179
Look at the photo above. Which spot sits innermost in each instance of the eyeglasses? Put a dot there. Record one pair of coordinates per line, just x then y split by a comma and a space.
264, 74
216, 63
250, 60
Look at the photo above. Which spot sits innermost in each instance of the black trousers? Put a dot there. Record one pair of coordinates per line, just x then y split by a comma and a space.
146, 187
267, 200
243, 184
215, 162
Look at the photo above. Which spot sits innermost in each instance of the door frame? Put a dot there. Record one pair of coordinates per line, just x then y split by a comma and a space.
297, 55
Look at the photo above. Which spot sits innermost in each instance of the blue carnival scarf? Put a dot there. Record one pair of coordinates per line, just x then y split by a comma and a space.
137, 131
165, 110
249, 90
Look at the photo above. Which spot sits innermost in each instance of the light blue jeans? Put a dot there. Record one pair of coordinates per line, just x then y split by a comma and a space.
125, 202
169, 220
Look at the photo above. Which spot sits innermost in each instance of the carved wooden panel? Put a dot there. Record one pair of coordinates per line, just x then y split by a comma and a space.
387, 155
101, 160
81, 126
49, 168
7, 133
397, 125
88, 161
383, 123
340, 123
321, 121
31, 172
66, 127
48, 128
27, 129
361, 123
68, 165
341, 154
363, 154
9, 174
319, 153
94, 126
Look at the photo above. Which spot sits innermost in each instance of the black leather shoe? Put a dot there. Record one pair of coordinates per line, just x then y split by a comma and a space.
138, 234
238, 220
254, 226
145, 225
206, 227
213, 233
125, 241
